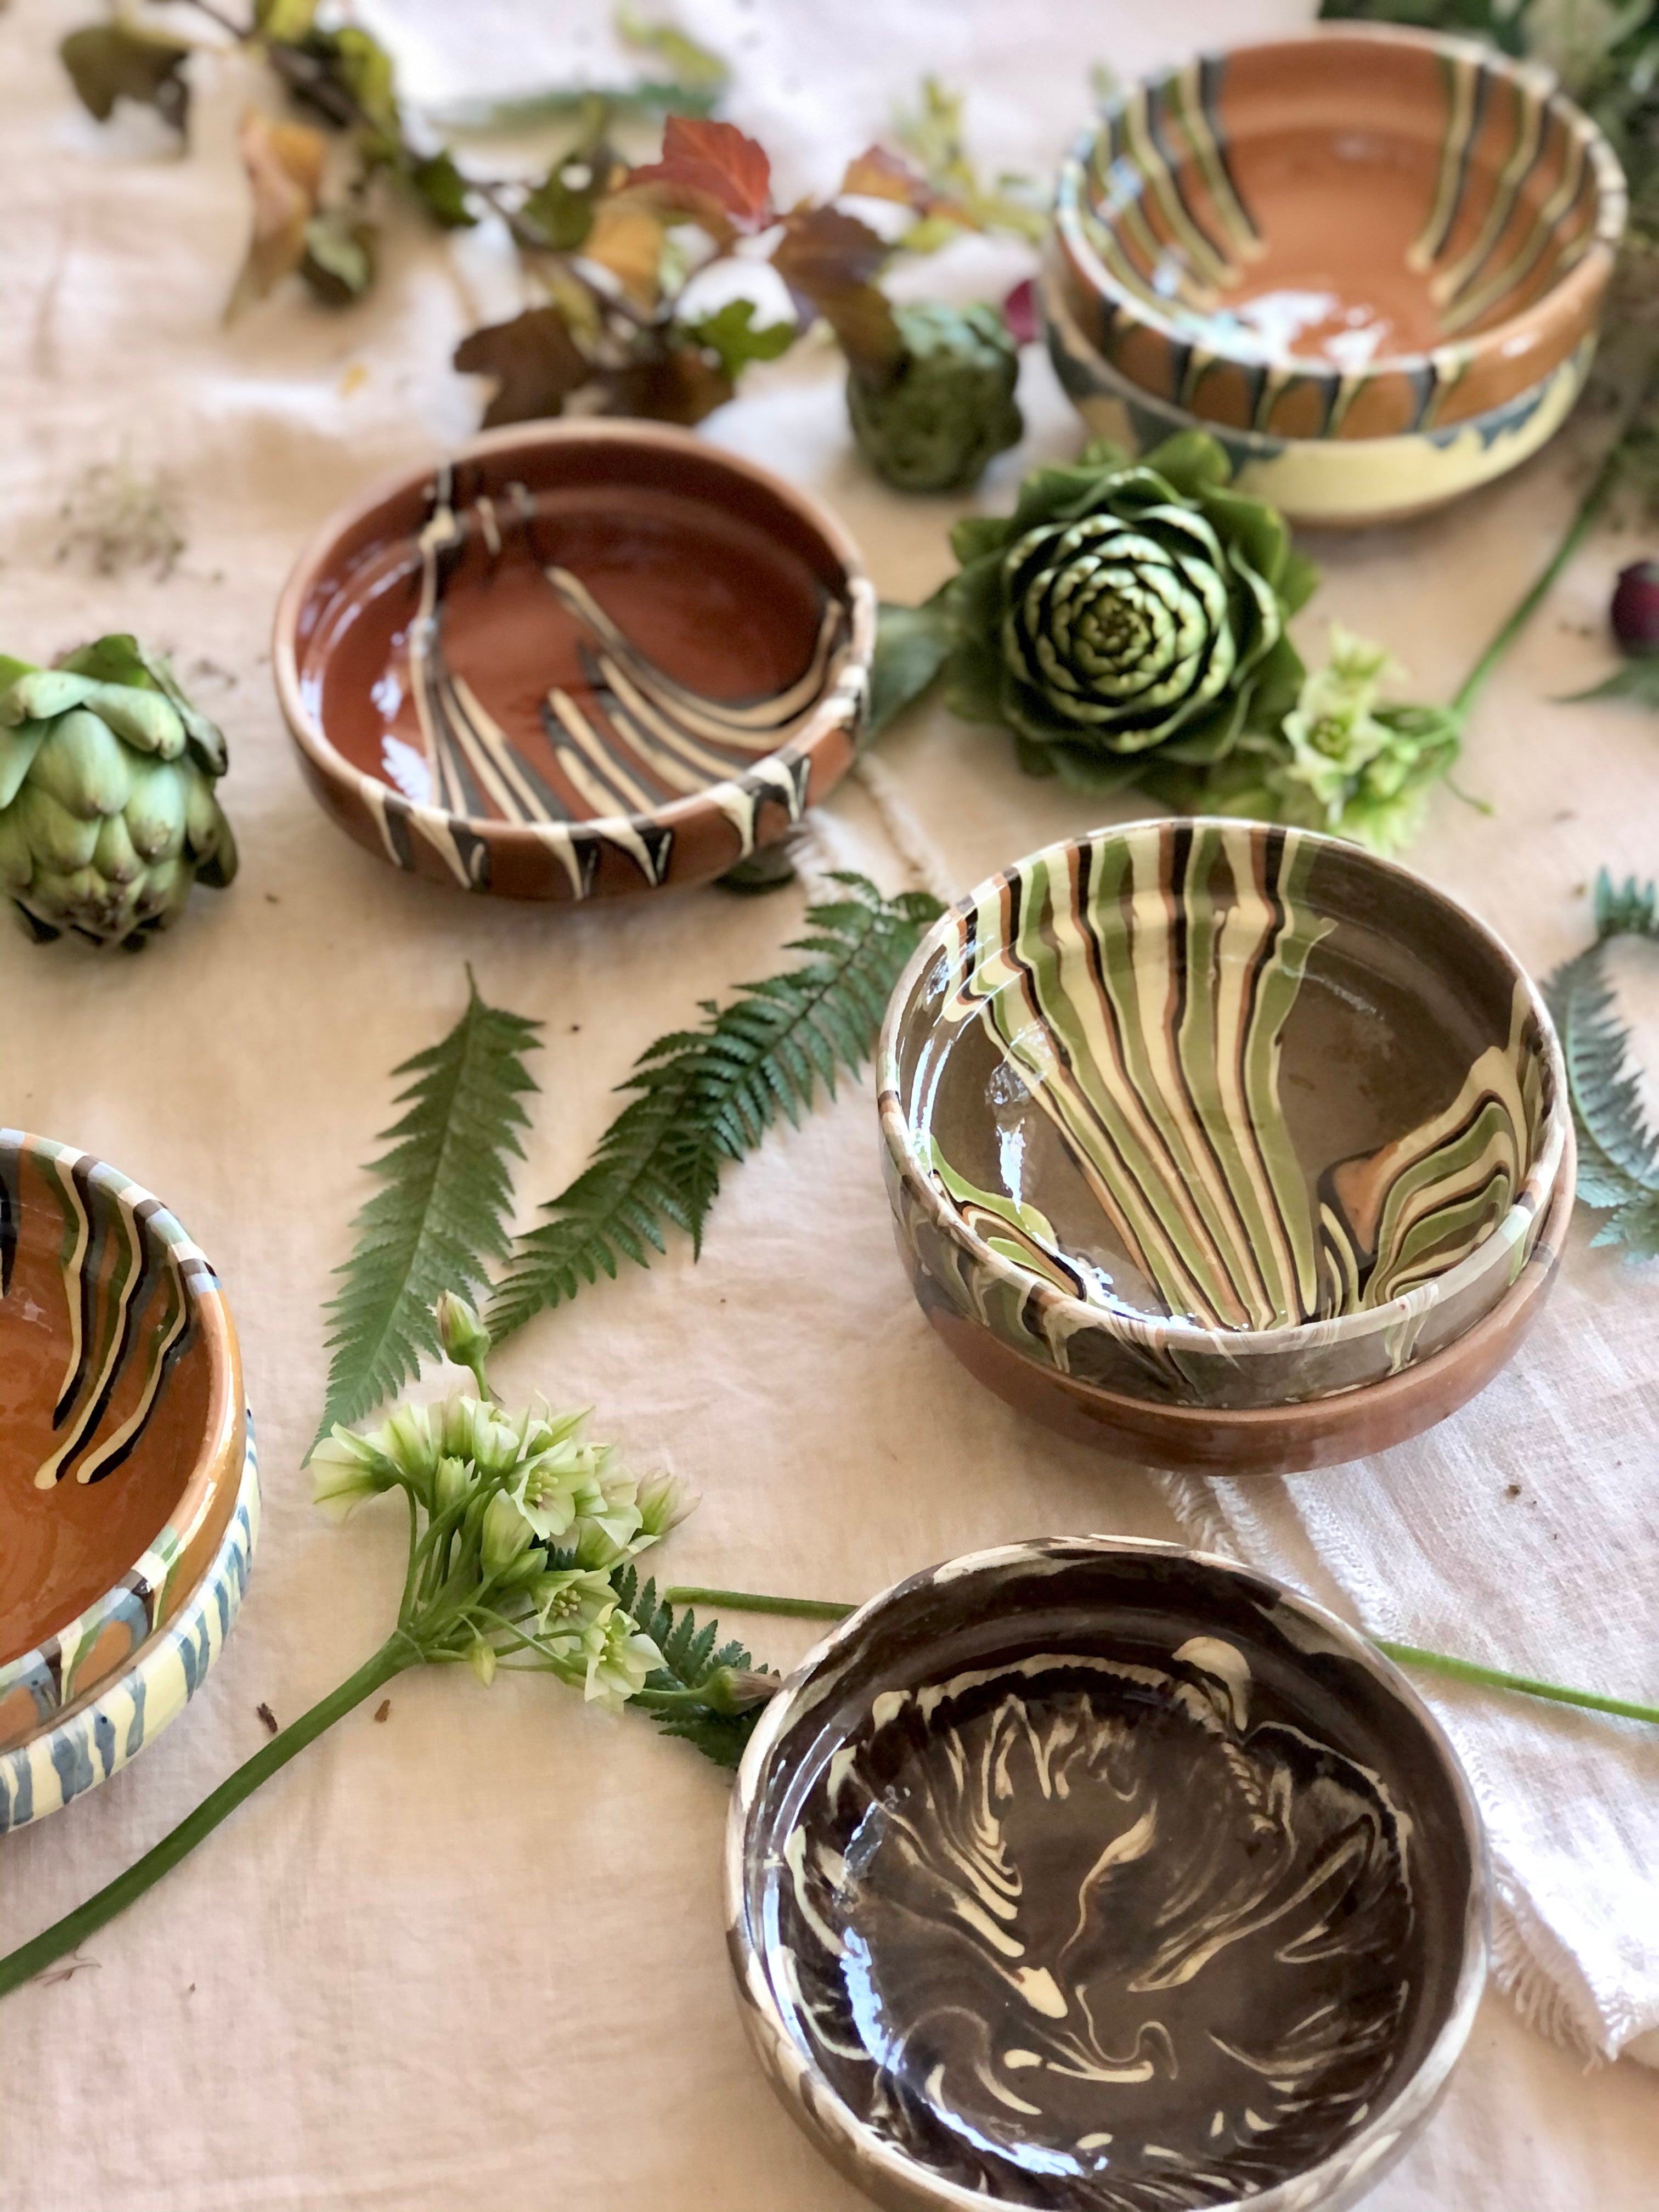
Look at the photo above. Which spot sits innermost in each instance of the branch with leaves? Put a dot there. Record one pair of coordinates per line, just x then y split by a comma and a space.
523, 1537
1618, 1146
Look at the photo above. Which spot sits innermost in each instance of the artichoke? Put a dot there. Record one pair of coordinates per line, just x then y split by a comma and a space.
1126, 621
107, 811
935, 419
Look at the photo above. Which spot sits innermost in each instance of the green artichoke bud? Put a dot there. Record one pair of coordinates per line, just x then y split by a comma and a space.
1128, 620
107, 811
935, 420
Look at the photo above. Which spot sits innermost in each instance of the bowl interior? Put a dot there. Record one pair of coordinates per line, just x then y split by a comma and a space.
106, 1383
1106, 1876
1342, 199
573, 628
1240, 1077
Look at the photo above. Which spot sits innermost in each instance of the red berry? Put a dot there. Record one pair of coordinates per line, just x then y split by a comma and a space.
1636, 607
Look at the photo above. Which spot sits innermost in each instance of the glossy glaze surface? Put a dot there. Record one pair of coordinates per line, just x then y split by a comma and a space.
1100, 1877
580, 661
1215, 1114
1356, 234
120, 1424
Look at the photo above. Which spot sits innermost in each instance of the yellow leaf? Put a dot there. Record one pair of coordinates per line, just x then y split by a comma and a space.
284, 165
628, 242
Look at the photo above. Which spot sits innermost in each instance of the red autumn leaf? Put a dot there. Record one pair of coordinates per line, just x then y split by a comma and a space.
710, 172
828, 260
878, 174
536, 362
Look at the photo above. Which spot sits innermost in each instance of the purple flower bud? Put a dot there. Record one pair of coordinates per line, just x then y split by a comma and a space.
1636, 608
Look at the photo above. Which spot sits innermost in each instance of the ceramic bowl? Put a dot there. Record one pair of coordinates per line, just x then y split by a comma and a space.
123, 1427
1104, 1876
1358, 233
1257, 1440
580, 661
1216, 1113
82, 1745
1333, 483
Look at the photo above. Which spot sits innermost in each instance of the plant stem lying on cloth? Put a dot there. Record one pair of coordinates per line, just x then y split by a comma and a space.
1405, 1654
522, 1537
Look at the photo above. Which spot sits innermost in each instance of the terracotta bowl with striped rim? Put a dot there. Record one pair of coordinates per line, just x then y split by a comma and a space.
1104, 1875
1359, 233
577, 660
123, 1429
1214, 1114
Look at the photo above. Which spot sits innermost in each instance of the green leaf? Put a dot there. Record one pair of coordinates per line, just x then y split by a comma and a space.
338, 264
284, 22
694, 66
1637, 678
363, 66
691, 1655
439, 1220
911, 644
705, 1097
439, 184
732, 334
1195, 464
108, 62
1618, 1150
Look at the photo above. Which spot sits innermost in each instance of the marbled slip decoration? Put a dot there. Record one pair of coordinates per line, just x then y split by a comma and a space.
1101, 1877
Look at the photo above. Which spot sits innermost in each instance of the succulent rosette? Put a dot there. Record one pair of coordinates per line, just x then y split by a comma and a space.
1126, 621
107, 807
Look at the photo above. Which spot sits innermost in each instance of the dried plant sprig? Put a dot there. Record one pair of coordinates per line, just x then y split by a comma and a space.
1404, 1654
522, 1536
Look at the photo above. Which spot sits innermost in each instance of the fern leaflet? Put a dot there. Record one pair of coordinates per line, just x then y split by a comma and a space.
1618, 1150
691, 1655
704, 1097
439, 1219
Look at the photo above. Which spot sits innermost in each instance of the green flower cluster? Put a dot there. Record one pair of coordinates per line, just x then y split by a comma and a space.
932, 419
525, 1522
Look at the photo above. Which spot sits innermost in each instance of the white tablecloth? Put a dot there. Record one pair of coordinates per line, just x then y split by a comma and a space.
474, 1955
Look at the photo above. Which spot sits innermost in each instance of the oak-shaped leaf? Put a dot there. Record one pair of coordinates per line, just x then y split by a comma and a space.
711, 173
828, 260
284, 165
108, 62
536, 362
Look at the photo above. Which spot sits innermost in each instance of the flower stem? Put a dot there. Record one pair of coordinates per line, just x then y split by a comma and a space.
1589, 507
1407, 1654
68, 1934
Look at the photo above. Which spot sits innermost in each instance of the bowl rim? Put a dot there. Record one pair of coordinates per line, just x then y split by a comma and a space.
1060, 328
1526, 1212
1577, 288
307, 729
790, 2063
211, 1481
105, 1729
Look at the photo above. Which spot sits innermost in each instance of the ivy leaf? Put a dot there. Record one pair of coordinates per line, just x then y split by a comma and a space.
536, 362
108, 62
439, 184
1618, 1150
1637, 678
704, 1098
284, 165
911, 646
695, 69
730, 334
828, 259
710, 173
439, 1220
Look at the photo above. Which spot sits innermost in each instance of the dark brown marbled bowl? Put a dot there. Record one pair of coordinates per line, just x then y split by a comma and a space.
1101, 1875
578, 660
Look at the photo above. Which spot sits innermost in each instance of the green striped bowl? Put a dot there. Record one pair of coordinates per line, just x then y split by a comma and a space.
1217, 1114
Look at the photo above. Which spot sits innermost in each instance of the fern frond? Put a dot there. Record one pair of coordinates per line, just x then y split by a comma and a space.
691, 1655
707, 1096
439, 1220
1618, 1149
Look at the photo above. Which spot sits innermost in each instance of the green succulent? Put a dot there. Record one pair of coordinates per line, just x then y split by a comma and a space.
107, 813
934, 419
1126, 621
